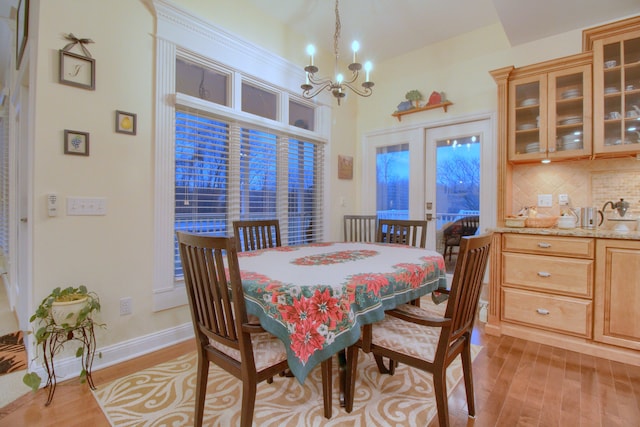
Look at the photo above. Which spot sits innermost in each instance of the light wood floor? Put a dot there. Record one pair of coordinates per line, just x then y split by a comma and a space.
517, 383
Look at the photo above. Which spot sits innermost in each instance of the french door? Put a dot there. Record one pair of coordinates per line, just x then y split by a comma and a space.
442, 173
454, 174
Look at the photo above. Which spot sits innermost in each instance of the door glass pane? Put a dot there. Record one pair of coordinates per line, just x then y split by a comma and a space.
457, 193
392, 181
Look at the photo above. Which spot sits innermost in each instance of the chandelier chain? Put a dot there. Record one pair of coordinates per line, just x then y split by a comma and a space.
336, 35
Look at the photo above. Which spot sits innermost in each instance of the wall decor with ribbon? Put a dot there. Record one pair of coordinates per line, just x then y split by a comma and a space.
77, 70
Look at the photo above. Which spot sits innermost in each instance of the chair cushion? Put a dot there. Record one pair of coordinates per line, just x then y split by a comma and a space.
406, 337
268, 350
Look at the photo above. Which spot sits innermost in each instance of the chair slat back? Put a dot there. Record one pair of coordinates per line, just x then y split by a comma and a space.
254, 235
360, 228
466, 284
214, 290
402, 231
470, 225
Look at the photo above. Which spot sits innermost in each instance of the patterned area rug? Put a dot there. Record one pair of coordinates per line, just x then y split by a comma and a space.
13, 356
164, 396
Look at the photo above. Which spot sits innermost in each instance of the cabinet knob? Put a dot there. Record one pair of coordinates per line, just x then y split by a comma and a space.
544, 245
542, 311
544, 274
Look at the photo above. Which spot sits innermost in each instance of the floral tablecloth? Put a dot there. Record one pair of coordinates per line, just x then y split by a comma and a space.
316, 297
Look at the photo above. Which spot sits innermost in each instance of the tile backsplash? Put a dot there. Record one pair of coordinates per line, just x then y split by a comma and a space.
587, 182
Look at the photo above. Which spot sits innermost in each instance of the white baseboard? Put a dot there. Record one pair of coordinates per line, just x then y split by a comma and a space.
69, 367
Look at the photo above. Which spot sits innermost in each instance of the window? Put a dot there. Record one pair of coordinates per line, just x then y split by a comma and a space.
204, 178
301, 115
202, 82
210, 111
259, 102
4, 187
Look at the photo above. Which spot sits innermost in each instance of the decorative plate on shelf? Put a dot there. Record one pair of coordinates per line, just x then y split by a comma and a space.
526, 126
571, 93
571, 120
529, 102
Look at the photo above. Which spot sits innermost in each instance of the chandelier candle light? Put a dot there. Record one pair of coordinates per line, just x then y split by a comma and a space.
314, 85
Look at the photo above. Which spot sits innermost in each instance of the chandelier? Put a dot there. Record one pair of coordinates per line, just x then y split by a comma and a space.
314, 85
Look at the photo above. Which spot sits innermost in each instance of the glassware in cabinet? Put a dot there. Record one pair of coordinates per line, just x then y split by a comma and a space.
550, 110
569, 112
617, 94
526, 119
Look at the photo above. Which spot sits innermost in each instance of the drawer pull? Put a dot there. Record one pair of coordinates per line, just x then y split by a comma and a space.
544, 245
544, 274
542, 311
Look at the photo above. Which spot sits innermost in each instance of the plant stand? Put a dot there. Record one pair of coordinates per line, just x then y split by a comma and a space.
82, 333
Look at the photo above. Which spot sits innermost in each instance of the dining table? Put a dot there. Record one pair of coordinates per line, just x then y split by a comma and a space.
316, 297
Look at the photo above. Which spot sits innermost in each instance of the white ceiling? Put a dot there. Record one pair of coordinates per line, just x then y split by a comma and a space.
387, 28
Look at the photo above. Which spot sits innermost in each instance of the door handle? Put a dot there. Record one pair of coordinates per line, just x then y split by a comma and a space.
23, 219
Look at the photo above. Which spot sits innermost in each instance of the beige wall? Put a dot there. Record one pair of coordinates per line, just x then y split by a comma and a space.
112, 254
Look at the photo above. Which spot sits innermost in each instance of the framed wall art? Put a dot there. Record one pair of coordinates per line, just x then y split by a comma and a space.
22, 30
345, 167
125, 122
76, 142
77, 70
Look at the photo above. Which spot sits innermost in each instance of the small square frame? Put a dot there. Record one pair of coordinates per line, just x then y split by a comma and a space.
77, 70
76, 142
126, 122
22, 30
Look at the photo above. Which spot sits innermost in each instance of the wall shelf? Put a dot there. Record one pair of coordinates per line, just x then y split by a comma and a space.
443, 105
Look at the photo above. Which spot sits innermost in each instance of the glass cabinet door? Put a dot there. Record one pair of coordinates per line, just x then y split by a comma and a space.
617, 106
528, 105
550, 110
569, 130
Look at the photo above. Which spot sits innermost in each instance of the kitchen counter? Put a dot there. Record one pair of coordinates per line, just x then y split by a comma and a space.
572, 232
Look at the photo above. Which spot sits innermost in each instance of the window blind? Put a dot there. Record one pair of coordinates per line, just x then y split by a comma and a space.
201, 175
227, 170
4, 187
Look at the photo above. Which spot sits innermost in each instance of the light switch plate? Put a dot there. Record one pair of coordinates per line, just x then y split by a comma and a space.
86, 205
545, 200
563, 199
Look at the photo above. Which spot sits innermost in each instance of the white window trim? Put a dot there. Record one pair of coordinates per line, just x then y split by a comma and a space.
176, 30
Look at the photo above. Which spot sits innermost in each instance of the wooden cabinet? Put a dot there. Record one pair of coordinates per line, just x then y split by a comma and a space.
616, 87
617, 298
547, 283
549, 110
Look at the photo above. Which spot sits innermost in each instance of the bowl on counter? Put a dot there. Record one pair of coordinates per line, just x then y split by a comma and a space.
541, 221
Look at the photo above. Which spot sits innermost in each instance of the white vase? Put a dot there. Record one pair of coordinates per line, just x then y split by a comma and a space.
67, 311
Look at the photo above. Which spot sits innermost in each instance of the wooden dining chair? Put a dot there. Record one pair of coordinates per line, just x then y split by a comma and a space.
451, 235
402, 231
224, 335
360, 228
402, 335
258, 234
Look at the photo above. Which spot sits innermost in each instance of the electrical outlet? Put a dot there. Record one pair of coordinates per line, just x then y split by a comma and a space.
545, 200
126, 306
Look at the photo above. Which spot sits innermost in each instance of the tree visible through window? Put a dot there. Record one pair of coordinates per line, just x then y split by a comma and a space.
204, 178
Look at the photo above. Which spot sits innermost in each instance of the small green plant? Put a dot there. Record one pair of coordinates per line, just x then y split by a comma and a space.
413, 96
47, 325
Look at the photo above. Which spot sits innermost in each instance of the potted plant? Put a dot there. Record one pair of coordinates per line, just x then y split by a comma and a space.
414, 96
66, 314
